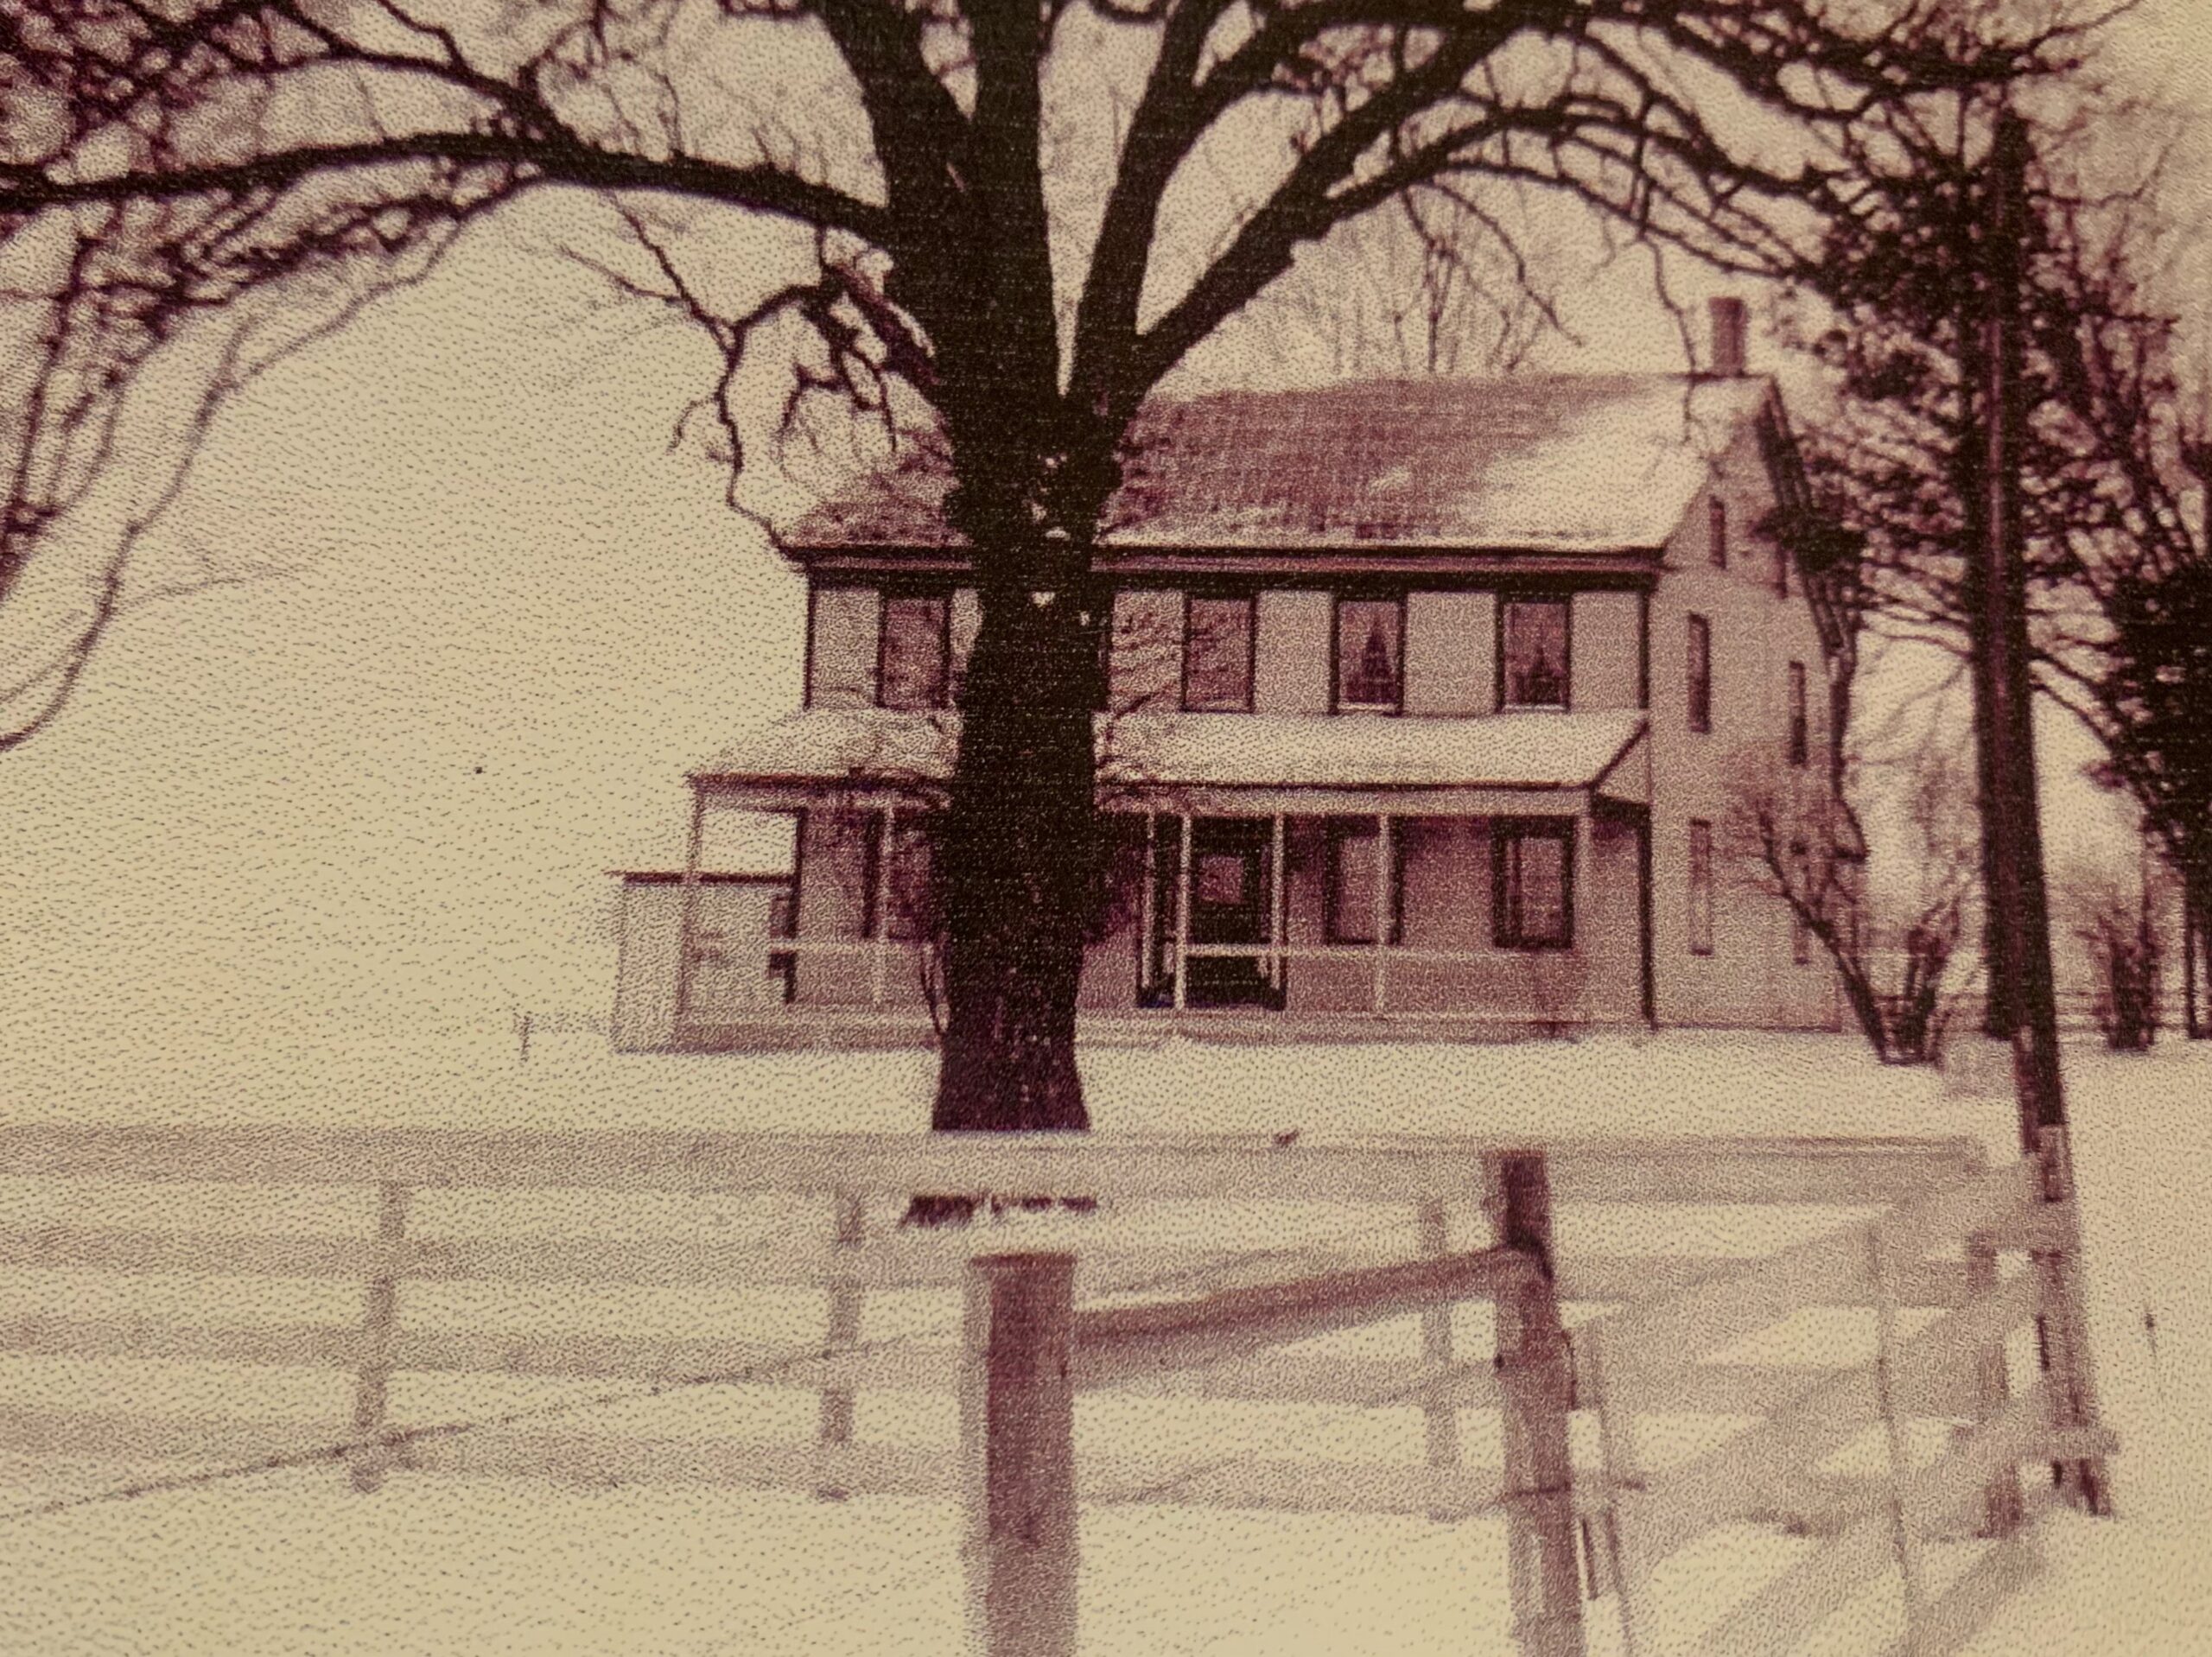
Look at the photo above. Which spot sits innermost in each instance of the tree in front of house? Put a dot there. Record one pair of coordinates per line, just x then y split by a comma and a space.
1893, 942
1007, 218
2113, 443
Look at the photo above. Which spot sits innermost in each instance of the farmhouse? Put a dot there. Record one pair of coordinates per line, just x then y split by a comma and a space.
1422, 708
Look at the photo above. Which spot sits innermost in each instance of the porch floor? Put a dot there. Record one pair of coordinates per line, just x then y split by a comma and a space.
863, 1028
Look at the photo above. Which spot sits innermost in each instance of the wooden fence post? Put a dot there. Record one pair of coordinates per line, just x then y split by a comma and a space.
2001, 1501
1606, 1382
1537, 1382
1442, 1415
379, 1321
1891, 1410
1017, 1441
843, 1333
2062, 1339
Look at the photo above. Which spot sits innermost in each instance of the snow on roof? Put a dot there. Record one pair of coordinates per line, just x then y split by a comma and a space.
1567, 463
1537, 749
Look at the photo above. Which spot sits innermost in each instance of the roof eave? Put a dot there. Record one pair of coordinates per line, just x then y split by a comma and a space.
1193, 557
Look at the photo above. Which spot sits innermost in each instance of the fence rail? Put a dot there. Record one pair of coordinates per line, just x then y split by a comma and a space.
1910, 1225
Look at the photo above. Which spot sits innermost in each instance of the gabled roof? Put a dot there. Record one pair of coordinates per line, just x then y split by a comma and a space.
1561, 463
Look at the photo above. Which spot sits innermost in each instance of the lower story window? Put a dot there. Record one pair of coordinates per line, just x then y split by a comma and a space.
897, 899
1354, 852
1532, 883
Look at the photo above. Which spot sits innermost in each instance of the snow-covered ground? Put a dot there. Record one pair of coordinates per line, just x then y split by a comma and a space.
293, 1562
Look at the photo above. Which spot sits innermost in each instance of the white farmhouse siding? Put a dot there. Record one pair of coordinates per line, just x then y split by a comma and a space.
1146, 666
730, 975
1291, 663
1609, 935
1451, 652
1749, 976
1604, 627
841, 669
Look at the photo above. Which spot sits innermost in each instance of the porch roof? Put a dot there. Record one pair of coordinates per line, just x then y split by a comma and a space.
1521, 751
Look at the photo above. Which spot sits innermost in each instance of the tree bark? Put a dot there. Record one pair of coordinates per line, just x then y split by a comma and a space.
1016, 864
2196, 953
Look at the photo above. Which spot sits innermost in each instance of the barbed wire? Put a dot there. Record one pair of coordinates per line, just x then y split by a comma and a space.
886, 1584
395, 1440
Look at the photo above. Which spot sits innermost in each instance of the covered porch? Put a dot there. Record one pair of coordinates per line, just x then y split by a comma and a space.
1433, 880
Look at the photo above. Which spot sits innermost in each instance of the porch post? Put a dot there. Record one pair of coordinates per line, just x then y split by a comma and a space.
1384, 867
1277, 927
1183, 921
688, 910
886, 845
1582, 894
1149, 906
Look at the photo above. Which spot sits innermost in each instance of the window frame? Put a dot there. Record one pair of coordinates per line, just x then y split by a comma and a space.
1338, 599
1697, 673
1698, 888
1194, 597
1340, 829
1506, 929
1564, 601
941, 597
914, 836
1798, 740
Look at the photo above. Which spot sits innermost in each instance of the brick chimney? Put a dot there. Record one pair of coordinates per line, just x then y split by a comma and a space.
1729, 327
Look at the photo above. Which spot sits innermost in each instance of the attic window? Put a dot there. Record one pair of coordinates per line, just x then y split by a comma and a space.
1717, 531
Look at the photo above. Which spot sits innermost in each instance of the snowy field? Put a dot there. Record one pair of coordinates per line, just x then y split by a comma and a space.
294, 1562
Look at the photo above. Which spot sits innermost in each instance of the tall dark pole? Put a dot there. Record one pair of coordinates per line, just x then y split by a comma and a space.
2016, 899
2018, 902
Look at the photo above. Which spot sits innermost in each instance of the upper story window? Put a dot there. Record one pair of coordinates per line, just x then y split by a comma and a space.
1533, 649
913, 666
1781, 571
1217, 654
1699, 655
1371, 654
1800, 736
1716, 531
1532, 883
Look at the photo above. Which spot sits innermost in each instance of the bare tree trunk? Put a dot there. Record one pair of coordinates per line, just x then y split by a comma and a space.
2196, 953
1016, 866
1866, 1006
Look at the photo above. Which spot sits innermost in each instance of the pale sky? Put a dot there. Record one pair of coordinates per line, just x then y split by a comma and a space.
384, 789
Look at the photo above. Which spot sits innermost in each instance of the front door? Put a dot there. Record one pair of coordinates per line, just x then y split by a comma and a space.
1230, 890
